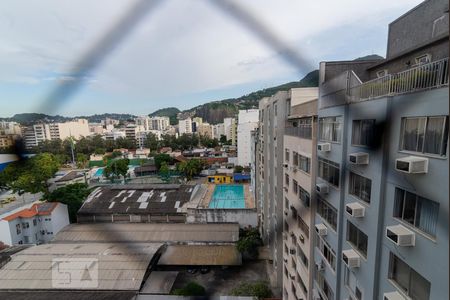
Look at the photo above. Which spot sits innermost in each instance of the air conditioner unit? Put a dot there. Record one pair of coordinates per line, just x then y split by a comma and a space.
412, 165
360, 158
285, 260
320, 266
286, 213
285, 165
351, 258
286, 188
302, 238
292, 251
355, 209
393, 296
321, 229
292, 234
400, 235
324, 147
322, 188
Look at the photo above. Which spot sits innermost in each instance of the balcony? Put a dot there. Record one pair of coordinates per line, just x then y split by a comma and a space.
347, 87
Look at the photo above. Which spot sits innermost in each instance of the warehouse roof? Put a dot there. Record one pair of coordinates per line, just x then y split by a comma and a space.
93, 266
201, 255
130, 199
148, 232
67, 295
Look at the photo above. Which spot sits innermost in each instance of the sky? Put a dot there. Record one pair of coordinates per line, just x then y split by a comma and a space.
182, 53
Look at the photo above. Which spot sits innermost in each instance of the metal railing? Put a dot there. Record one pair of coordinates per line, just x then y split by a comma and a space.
421, 77
301, 131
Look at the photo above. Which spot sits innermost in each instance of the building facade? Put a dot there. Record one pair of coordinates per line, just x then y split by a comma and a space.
247, 122
185, 126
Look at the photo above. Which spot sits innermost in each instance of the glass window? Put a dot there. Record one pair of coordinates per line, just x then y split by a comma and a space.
295, 186
351, 282
304, 163
326, 251
425, 135
360, 187
363, 132
330, 129
302, 256
286, 154
295, 158
303, 226
411, 282
357, 238
328, 171
417, 211
304, 196
286, 179
327, 212
325, 289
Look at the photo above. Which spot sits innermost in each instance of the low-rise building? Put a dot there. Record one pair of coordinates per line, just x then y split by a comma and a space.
33, 224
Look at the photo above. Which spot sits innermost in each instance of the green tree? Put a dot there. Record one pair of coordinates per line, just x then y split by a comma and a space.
72, 195
259, 289
238, 169
164, 172
249, 241
190, 289
116, 168
160, 158
223, 139
151, 142
190, 168
82, 160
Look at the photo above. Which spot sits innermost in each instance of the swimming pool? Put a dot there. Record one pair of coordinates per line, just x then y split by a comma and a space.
98, 173
228, 196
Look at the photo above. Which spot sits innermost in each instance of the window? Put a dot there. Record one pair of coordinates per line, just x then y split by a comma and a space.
425, 135
304, 163
328, 171
423, 59
302, 284
382, 73
286, 179
302, 256
327, 212
34, 222
18, 231
286, 154
360, 187
302, 225
327, 252
295, 158
295, 186
326, 290
409, 281
357, 238
363, 132
417, 211
351, 282
330, 129
304, 196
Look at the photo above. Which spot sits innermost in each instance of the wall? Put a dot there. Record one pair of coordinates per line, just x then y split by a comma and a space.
5, 234
245, 217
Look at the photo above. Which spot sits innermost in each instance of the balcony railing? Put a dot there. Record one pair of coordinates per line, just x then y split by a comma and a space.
301, 131
426, 76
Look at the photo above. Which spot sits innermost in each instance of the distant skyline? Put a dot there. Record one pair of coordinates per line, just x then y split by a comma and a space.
174, 58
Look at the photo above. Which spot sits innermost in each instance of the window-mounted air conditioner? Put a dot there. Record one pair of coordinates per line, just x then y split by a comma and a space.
400, 235
351, 258
321, 229
412, 164
285, 165
393, 296
355, 209
320, 266
322, 188
360, 158
292, 251
324, 147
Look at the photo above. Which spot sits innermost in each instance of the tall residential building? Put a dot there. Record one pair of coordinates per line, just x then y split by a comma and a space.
299, 166
10, 128
218, 130
247, 122
230, 128
143, 121
205, 129
381, 227
159, 123
269, 179
185, 126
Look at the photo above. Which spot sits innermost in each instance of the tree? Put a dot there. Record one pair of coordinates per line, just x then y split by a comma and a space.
30, 175
249, 241
72, 195
82, 160
259, 289
151, 142
223, 139
160, 158
116, 168
238, 169
164, 172
190, 289
190, 168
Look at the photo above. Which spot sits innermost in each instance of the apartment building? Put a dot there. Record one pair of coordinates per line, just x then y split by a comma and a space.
381, 222
36, 223
247, 122
299, 168
205, 129
269, 180
230, 128
218, 130
185, 126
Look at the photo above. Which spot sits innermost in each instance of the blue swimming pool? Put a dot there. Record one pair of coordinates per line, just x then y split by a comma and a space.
228, 196
98, 173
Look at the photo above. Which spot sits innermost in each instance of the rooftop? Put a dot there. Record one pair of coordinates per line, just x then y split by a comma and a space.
70, 176
201, 255
40, 209
146, 199
148, 232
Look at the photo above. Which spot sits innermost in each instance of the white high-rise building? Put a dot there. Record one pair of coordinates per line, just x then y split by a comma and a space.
218, 130
247, 122
185, 126
159, 123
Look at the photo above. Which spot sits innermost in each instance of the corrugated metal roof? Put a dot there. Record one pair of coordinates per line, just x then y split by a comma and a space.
201, 255
114, 266
149, 232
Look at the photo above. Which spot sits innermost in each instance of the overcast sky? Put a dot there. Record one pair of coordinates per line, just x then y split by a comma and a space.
182, 54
